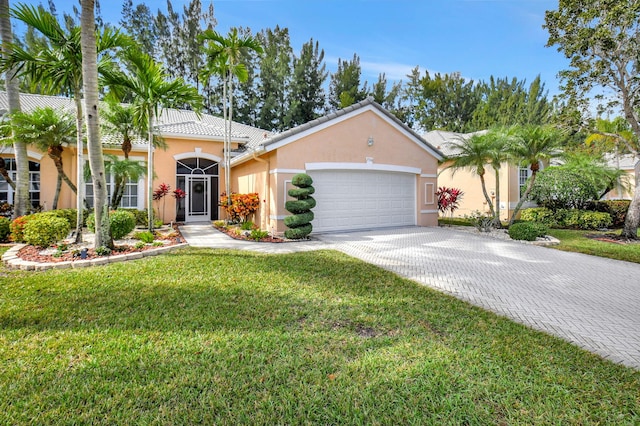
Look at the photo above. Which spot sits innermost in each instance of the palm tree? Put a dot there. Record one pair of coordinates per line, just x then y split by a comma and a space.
21, 201
59, 67
49, 130
120, 121
122, 171
499, 138
474, 154
225, 59
531, 146
153, 91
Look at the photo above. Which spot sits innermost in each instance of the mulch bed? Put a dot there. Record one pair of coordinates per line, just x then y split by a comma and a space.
611, 238
233, 234
35, 254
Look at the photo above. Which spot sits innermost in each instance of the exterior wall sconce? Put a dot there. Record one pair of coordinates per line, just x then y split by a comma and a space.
370, 141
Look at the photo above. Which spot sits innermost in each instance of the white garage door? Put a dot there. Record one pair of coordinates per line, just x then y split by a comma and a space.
358, 199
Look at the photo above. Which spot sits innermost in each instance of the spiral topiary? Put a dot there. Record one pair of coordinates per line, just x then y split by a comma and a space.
299, 223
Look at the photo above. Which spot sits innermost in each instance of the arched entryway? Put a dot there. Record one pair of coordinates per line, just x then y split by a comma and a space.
198, 178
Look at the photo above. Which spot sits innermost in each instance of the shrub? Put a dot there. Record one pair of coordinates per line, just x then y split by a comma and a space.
103, 251
70, 215
562, 188
242, 206
540, 215
527, 231
44, 229
448, 199
146, 237
121, 223
5, 228
617, 209
482, 223
17, 228
6, 209
247, 226
300, 223
139, 245
584, 219
257, 234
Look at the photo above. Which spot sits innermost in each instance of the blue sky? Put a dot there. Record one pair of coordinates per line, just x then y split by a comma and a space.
477, 38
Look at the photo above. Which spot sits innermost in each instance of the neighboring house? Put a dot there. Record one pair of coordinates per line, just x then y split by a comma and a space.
513, 179
369, 169
626, 163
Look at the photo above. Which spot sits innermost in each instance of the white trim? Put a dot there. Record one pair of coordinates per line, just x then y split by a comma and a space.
287, 171
428, 175
31, 154
356, 112
429, 194
362, 166
428, 211
275, 217
197, 153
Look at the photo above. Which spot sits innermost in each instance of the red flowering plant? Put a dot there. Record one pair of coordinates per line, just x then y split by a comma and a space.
160, 193
448, 199
242, 205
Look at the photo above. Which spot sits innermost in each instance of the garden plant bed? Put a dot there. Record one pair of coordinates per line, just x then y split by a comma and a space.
611, 238
168, 237
245, 235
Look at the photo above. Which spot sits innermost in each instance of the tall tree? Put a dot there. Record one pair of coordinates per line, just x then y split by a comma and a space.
445, 102
153, 90
60, 68
94, 144
225, 59
275, 76
21, 201
344, 88
50, 131
307, 92
601, 38
122, 171
138, 22
530, 146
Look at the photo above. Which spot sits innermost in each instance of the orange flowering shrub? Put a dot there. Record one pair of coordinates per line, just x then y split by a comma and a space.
242, 205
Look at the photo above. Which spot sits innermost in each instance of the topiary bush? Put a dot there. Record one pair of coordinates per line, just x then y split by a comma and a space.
5, 228
121, 222
299, 223
527, 231
44, 229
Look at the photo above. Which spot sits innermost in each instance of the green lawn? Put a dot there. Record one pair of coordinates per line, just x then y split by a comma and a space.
576, 241
225, 337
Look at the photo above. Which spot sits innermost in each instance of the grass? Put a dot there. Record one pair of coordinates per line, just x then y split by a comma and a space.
576, 241
225, 337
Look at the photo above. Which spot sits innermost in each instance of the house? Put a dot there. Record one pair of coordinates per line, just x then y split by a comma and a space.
626, 163
513, 179
369, 169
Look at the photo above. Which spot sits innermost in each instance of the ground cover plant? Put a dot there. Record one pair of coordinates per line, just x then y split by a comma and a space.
226, 337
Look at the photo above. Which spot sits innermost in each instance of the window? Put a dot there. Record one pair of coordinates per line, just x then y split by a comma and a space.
7, 193
131, 199
524, 173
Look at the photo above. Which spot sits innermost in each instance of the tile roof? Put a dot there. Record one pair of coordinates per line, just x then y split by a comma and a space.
444, 140
171, 121
623, 162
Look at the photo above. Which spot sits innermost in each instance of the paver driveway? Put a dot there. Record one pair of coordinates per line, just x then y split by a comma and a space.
590, 301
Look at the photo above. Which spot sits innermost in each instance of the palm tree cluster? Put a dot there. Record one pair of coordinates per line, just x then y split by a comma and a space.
67, 65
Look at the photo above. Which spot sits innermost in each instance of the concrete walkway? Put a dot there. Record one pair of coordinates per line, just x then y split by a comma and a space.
592, 302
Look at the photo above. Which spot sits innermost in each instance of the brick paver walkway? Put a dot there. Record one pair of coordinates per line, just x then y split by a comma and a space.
590, 301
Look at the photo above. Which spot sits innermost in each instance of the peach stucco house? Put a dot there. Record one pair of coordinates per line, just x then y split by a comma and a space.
369, 169
513, 179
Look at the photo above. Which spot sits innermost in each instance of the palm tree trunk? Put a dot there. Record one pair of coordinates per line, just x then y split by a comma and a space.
150, 172
80, 168
56, 195
227, 141
496, 222
486, 195
21, 201
94, 144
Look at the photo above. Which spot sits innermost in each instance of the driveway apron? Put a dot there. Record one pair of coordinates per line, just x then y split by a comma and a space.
590, 301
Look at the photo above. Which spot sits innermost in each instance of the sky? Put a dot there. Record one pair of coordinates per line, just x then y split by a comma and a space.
477, 38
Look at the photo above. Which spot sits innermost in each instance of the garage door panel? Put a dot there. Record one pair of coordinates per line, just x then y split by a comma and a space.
357, 199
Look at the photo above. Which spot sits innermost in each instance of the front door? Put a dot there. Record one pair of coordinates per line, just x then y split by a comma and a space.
198, 198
